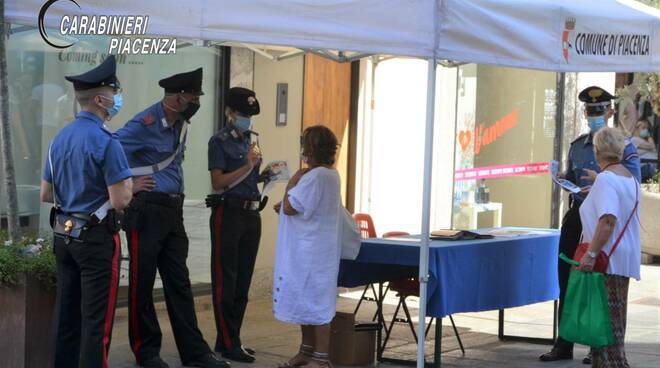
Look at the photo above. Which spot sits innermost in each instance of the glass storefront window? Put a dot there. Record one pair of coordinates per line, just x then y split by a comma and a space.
505, 138
42, 102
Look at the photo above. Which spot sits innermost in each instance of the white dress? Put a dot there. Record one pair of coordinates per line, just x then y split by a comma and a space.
613, 194
308, 251
643, 152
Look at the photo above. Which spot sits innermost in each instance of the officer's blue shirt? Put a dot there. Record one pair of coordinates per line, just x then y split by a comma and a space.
86, 160
148, 140
581, 156
228, 152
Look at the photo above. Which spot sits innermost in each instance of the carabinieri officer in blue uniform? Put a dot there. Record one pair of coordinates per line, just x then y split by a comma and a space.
582, 170
154, 141
235, 221
87, 178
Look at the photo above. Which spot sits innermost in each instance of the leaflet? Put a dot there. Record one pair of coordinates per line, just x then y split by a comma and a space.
274, 172
554, 169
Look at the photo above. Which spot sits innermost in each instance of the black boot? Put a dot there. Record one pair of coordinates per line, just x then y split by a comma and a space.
250, 351
238, 355
557, 353
208, 361
154, 362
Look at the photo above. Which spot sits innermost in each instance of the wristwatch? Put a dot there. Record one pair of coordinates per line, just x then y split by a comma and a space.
592, 254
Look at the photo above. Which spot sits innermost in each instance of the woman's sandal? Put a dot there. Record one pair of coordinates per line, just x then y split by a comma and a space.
296, 361
319, 360
301, 359
314, 363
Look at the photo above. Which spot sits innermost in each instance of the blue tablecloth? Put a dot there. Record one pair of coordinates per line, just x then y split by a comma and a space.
466, 276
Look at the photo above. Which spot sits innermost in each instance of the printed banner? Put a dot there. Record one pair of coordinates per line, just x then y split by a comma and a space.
500, 171
585, 41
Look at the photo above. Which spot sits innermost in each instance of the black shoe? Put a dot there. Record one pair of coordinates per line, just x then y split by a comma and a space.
556, 354
208, 361
249, 351
238, 355
154, 362
587, 359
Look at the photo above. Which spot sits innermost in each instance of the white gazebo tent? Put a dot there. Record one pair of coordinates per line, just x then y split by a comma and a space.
553, 35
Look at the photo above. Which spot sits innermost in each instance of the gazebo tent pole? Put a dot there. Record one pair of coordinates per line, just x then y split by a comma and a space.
426, 209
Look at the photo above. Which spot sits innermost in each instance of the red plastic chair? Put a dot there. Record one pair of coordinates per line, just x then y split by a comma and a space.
367, 230
366, 225
394, 234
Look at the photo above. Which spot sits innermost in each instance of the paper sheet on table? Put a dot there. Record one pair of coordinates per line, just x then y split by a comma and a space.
403, 238
506, 233
554, 169
274, 172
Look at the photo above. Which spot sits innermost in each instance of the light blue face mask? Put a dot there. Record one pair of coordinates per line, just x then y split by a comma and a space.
596, 123
116, 106
644, 133
243, 124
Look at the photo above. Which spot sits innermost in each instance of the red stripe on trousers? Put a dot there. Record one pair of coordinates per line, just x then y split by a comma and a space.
137, 342
112, 299
217, 224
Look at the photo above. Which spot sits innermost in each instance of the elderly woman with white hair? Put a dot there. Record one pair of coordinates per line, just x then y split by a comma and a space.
610, 222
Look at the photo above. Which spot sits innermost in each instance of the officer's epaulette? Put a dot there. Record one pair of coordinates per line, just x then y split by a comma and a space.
225, 134
580, 137
148, 119
107, 130
222, 135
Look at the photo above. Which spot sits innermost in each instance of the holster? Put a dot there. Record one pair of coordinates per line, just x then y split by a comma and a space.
214, 200
263, 203
51, 218
70, 227
132, 214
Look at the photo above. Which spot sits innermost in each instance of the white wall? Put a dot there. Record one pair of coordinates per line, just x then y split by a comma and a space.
444, 146
391, 151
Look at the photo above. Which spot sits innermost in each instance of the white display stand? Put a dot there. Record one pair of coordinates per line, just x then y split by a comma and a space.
470, 215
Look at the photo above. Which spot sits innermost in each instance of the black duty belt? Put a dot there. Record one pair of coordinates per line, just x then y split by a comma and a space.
73, 226
242, 204
90, 219
173, 200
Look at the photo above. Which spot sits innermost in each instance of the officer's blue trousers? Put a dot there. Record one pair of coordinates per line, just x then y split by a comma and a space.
235, 235
87, 282
160, 244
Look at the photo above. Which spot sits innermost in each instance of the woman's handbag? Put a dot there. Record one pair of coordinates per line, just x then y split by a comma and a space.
585, 317
349, 235
603, 259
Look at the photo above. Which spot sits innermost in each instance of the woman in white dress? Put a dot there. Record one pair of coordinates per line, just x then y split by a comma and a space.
308, 248
610, 212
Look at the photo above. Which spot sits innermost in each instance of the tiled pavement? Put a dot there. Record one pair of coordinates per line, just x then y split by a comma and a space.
275, 341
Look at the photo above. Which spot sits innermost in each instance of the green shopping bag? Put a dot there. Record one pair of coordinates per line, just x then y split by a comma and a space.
585, 318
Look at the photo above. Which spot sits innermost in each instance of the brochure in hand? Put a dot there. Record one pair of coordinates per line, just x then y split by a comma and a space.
274, 172
554, 169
